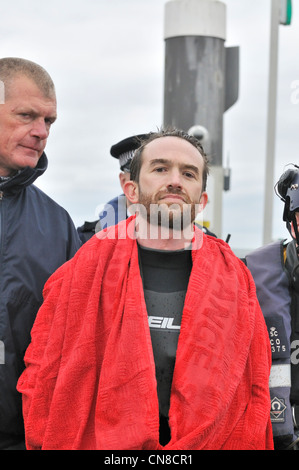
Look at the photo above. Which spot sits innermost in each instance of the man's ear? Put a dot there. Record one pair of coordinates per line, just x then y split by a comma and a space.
123, 177
130, 189
203, 201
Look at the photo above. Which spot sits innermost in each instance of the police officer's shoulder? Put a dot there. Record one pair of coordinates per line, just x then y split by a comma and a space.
87, 230
205, 230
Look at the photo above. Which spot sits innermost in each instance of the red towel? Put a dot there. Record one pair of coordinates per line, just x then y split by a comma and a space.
90, 378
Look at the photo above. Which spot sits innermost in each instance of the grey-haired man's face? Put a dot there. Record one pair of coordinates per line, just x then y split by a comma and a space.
25, 121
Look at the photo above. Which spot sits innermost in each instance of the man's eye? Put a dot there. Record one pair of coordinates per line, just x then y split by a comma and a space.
160, 169
25, 116
49, 122
189, 175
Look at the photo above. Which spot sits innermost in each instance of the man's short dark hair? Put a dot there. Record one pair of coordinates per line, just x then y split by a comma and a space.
168, 132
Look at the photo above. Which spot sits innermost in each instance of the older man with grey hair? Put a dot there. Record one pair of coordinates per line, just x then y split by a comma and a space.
36, 234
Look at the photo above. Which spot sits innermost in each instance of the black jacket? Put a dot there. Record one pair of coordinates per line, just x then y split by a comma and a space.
36, 237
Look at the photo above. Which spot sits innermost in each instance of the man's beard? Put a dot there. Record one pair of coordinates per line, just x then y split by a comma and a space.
174, 216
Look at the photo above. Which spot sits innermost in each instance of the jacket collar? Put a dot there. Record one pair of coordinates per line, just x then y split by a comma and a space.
25, 177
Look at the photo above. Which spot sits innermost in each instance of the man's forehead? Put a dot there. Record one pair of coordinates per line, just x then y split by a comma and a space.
25, 96
22, 86
171, 147
47, 110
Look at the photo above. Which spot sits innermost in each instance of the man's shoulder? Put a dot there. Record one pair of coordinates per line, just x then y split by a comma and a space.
47, 208
54, 218
221, 250
41, 197
270, 253
96, 253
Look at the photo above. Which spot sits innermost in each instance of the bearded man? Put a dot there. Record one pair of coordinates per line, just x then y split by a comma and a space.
147, 341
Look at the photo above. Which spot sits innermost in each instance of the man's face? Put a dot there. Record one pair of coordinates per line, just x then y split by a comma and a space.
171, 180
25, 121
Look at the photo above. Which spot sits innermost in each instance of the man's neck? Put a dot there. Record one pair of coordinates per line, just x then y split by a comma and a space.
161, 238
6, 175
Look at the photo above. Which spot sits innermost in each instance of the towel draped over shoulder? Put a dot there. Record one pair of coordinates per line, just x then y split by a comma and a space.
90, 381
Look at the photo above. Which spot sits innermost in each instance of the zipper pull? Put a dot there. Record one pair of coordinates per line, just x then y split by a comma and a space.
1, 195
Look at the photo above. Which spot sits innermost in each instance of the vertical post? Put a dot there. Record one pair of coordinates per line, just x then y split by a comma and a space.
271, 126
195, 79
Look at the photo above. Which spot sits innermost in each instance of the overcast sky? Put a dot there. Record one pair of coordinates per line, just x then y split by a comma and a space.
107, 59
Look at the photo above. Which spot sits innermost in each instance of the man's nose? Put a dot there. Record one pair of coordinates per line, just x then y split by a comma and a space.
40, 129
175, 180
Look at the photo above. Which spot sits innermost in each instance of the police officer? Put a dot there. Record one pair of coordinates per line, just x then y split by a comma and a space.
275, 269
115, 210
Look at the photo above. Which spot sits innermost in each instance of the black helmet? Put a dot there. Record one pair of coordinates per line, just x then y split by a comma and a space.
287, 188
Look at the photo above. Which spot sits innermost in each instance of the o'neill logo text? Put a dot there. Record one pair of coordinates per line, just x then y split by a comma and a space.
163, 323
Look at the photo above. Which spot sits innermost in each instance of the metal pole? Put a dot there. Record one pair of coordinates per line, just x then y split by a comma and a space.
195, 81
271, 127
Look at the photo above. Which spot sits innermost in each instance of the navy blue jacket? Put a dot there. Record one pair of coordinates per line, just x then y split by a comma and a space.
36, 237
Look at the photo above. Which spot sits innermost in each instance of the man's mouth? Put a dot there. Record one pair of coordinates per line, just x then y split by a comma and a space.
173, 197
32, 148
